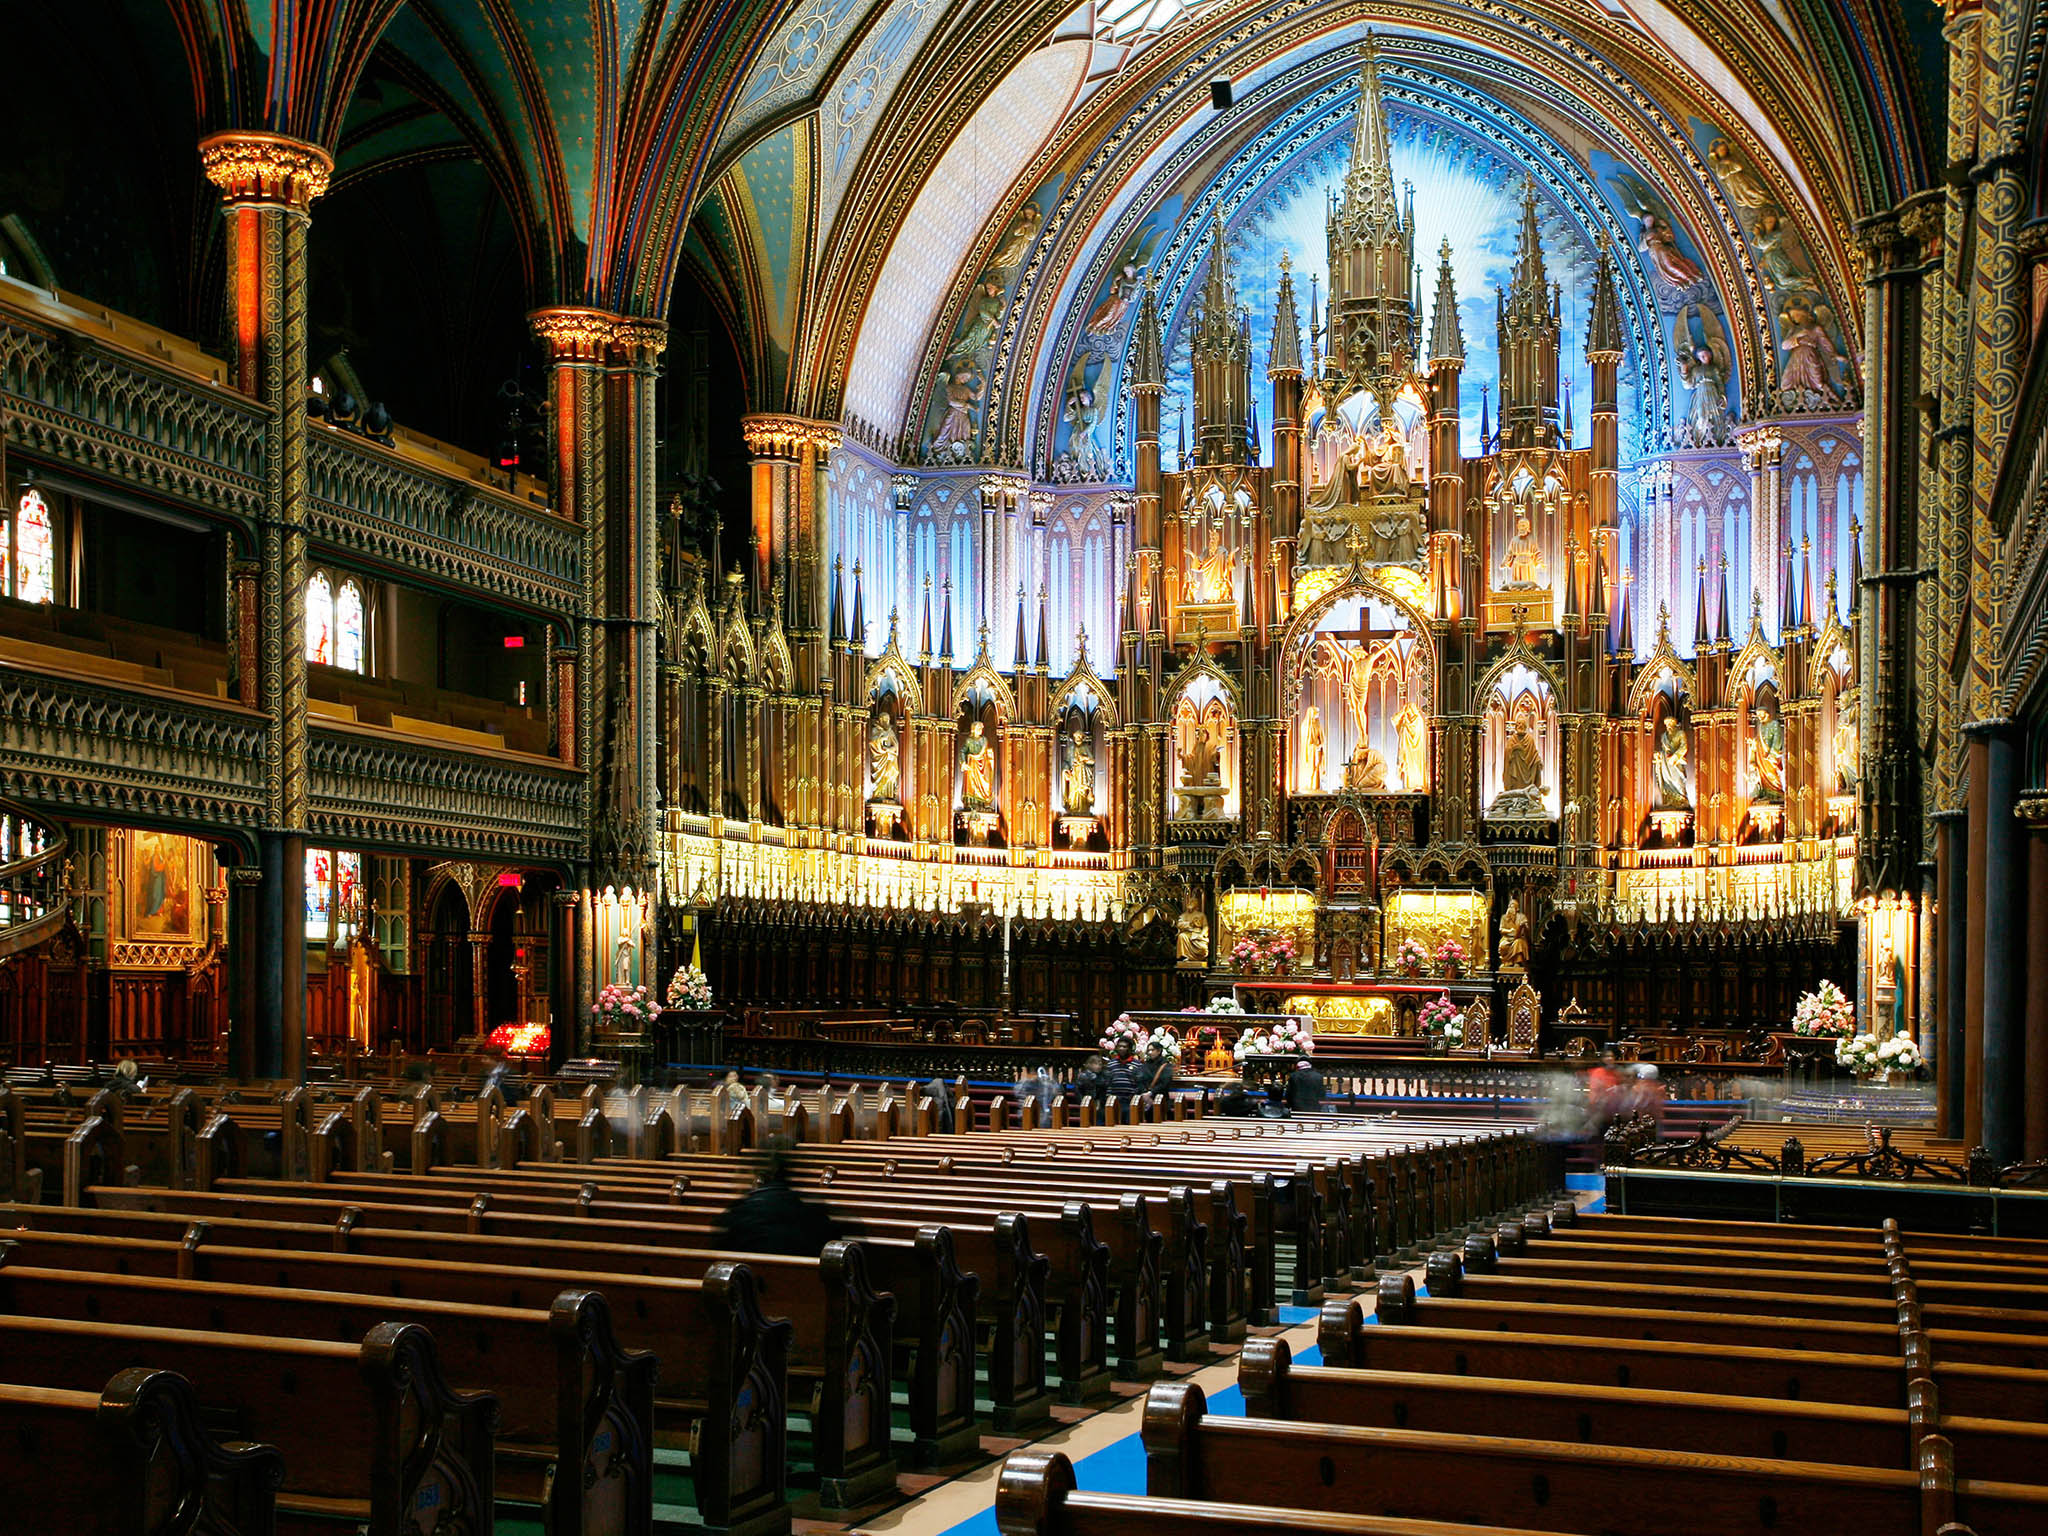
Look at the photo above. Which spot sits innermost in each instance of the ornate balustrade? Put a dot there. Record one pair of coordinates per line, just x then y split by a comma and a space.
369, 785
144, 755
118, 416
120, 402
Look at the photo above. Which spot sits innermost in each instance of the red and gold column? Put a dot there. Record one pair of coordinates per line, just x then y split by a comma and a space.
268, 184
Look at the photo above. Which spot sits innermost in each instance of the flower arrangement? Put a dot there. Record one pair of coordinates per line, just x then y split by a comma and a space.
1866, 1055
1824, 1012
1263, 956
624, 1008
1450, 957
689, 989
1435, 1015
1411, 957
1162, 1042
1224, 1002
1292, 1036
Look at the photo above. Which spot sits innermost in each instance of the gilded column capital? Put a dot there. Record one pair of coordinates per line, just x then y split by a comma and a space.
637, 340
251, 167
572, 334
2033, 810
772, 436
1762, 445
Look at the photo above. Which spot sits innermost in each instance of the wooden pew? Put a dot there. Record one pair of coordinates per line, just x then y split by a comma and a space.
570, 1397
1555, 1485
1703, 1422
369, 1432
133, 1459
1036, 1496
832, 1307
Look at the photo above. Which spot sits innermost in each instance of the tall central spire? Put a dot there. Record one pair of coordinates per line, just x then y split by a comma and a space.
1374, 287
1370, 207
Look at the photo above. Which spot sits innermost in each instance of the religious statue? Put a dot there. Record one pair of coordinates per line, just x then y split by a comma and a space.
1703, 367
1078, 785
1667, 768
1521, 774
1315, 750
1523, 562
1191, 931
1810, 352
622, 961
1514, 937
1660, 245
1413, 759
1368, 770
1202, 761
1386, 468
977, 771
1767, 759
1212, 582
885, 765
1845, 743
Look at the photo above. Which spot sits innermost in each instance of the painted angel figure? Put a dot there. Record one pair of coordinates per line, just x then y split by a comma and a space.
1810, 352
1703, 367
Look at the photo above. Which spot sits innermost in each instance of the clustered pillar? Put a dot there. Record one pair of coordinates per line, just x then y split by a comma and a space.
268, 184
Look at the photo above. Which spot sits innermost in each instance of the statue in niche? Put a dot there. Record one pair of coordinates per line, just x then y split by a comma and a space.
1315, 750
1202, 762
1212, 583
977, 771
1667, 768
1846, 746
1514, 937
1521, 774
1367, 770
1523, 562
885, 764
1191, 930
1413, 730
1385, 464
1767, 759
1077, 788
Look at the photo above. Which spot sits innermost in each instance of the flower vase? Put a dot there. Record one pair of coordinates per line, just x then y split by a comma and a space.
1439, 1045
1452, 972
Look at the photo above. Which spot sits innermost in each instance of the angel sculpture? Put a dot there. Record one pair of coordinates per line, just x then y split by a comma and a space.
1703, 367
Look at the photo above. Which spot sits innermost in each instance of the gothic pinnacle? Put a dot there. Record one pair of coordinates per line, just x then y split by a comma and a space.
1446, 335
1283, 357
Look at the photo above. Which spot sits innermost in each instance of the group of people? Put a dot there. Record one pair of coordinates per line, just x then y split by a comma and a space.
1615, 1091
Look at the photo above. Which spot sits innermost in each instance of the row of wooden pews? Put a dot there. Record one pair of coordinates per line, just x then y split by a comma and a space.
1625, 1375
591, 1311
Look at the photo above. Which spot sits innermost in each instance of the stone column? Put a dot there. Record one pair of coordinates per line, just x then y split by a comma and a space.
1973, 946
245, 939
631, 602
2033, 1069
268, 184
480, 982
1952, 888
2005, 937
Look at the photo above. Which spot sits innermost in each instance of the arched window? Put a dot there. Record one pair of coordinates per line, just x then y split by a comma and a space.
348, 627
319, 625
334, 880
337, 622
319, 892
35, 550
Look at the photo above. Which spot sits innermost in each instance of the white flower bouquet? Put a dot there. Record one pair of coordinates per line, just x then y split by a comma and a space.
1223, 1002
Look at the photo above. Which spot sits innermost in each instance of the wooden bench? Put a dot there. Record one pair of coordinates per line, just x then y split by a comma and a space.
369, 1433
577, 1411
1555, 1485
841, 1327
1702, 1422
133, 1459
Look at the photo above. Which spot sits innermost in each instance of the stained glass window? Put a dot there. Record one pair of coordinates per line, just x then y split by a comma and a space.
6, 549
319, 892
348, 886
320, 621
348, 627
35, 559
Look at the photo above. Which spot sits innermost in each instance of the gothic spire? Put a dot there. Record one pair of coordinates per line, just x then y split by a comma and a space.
836, 628
1603, 326
1700, 638
1148, 363
1446, 335
924, 645
1020, 651
1283, 357
1369, 202
857, 630
946, 624
1044, 650
1625, 636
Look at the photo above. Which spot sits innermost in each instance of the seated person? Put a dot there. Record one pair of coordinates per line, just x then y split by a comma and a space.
1304, 1089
